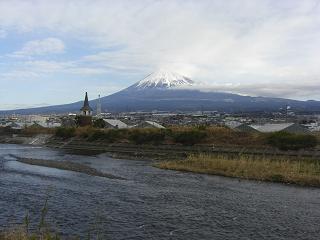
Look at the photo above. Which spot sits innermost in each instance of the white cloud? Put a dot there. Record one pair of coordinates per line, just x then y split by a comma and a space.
3, 33
298, 90
41, 47
19, 74
70, 67
243, 42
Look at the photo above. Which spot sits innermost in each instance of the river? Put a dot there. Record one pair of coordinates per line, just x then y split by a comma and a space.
150, 203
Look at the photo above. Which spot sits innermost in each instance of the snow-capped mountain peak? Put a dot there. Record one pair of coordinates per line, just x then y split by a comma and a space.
164, 80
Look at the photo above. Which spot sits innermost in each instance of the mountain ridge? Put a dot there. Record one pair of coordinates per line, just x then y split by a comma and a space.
167, 91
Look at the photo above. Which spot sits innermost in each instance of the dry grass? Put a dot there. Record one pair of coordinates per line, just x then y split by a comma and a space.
32, 131
317, 134
212, 135
14, 234
280, 169
20, 233
225, 136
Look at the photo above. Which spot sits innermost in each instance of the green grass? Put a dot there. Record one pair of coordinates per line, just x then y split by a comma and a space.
275, 169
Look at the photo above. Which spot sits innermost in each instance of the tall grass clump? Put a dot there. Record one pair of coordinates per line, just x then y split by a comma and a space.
290, 141
99, 123
109, 135
32, 131
23, 233
65, 133
226, 137
275, 169
149, 135
190, 137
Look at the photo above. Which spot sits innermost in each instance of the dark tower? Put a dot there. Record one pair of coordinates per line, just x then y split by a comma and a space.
86, 110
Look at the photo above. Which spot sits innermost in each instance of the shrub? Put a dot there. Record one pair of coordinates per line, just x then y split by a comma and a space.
65, 132
99, 123
32, 131
142, 136
82, 121
202, 127
290, 141
111, 135
96, 135
190, 137
9, 131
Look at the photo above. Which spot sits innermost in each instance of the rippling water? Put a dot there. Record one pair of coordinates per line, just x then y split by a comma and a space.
151, 203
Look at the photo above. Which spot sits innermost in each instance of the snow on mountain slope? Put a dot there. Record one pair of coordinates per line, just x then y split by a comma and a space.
163, 80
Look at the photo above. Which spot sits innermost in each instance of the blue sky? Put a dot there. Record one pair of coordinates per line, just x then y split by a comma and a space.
51, 52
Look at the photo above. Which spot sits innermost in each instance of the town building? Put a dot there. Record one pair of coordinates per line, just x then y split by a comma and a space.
284, 127
149, 124
114, 123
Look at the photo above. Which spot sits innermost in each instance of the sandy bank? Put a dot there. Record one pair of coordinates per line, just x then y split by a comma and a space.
70, 166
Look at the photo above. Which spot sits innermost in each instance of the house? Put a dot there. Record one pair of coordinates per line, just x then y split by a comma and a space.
313, 127
232, 124
241, 127
149, 124
277, 127
46, 124
245, 128
114, 123
37, 125
15, 125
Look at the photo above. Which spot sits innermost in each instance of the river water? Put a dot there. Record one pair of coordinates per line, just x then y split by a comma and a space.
151, 203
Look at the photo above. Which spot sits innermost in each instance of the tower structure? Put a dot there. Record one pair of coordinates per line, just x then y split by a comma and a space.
86, 110
99, 107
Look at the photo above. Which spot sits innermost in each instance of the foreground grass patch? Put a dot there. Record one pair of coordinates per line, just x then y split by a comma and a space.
278, 169
21, 234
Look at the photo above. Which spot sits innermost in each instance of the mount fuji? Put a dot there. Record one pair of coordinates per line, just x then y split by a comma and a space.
169, 91
163, 80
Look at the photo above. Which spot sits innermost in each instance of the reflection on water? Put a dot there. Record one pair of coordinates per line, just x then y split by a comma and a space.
152, 203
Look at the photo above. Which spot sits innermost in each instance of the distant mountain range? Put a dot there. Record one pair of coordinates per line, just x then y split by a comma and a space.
167, 91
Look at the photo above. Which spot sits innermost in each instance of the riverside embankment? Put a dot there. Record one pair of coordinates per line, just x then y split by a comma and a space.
167, 151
